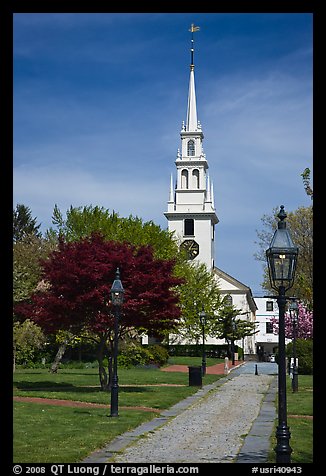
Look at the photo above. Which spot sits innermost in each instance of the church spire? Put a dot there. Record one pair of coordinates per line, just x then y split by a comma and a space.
191, 215
192, 122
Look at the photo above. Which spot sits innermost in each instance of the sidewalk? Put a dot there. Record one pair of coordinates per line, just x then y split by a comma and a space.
229, 421
217, 369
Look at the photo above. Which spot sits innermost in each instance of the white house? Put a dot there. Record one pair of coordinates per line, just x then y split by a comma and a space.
266, 340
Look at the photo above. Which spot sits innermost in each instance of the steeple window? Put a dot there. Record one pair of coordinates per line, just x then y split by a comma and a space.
184, 179
189, 227
191, 148
195, 178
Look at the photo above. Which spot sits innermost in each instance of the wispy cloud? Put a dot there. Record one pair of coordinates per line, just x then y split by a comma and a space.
42, 187
261, 128
99, 100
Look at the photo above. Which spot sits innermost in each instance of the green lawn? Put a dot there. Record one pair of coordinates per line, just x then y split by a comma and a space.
54, 434
49, 433
83, 385
299, 407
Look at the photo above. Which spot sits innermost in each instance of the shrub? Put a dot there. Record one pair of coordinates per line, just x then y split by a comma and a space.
134, 354
304, 351
195, 350
159, 353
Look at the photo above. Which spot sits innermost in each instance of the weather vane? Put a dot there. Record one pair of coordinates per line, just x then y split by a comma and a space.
193, 28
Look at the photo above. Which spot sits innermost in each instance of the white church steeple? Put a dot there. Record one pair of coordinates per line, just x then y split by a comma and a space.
191, 123
191, 211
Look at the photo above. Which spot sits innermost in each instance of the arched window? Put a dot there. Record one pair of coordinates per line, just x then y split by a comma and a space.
195, 178
228, 300
191, 148
184, 178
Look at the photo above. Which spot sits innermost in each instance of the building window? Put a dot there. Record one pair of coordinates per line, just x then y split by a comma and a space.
269, 328
269, 306
184, 179
195, 178
191, 148
228, 300
189, 227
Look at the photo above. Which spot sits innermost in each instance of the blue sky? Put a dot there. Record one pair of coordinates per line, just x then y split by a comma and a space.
99, 100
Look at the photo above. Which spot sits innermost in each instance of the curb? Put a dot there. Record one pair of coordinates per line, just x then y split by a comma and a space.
256, 446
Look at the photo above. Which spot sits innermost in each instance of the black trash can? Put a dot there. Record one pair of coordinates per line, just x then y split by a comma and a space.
195, 376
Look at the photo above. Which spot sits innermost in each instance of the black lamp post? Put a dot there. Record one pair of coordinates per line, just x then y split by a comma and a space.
282, 259
117, 293
234, 328
202, 317
294, 314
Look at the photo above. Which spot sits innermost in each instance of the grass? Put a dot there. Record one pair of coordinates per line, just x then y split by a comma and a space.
153, 397
54, 434
179, 360
49, 433
83, 385
299, 407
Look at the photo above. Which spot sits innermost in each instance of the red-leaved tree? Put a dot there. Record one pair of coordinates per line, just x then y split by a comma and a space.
77, 299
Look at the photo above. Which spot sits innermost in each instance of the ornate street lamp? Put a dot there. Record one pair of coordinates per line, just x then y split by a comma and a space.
202, 317
117, 295
234, 329
282, 259
294, 315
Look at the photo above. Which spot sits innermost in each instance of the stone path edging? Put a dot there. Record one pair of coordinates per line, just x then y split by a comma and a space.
257, 443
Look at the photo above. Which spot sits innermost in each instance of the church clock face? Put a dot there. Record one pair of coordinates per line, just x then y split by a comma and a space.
191, 247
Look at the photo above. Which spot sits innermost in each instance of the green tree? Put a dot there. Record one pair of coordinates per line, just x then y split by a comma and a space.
306, 182
81, 222
231, 327
27, 254
24, 225
300, 225
27, 339
63, 338
199, 291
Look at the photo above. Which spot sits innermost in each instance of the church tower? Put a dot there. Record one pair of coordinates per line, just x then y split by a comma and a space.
191, 210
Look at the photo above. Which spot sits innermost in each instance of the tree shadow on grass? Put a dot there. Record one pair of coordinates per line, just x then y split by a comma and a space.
135, 389
64, 387
46, 385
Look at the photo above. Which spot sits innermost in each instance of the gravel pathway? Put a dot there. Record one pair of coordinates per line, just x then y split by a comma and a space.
212, 430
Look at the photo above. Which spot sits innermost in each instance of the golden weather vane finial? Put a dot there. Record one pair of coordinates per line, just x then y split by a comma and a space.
192, 28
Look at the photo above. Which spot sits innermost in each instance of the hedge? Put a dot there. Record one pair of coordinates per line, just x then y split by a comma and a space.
304, 352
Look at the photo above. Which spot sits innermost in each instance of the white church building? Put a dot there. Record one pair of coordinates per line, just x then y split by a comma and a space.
191, 212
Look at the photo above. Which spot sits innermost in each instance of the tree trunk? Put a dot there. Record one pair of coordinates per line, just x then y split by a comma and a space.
100, 354
110, 362
229, 351
58, 357
110, 369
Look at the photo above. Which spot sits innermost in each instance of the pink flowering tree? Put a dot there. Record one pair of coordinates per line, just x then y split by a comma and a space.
304, 328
